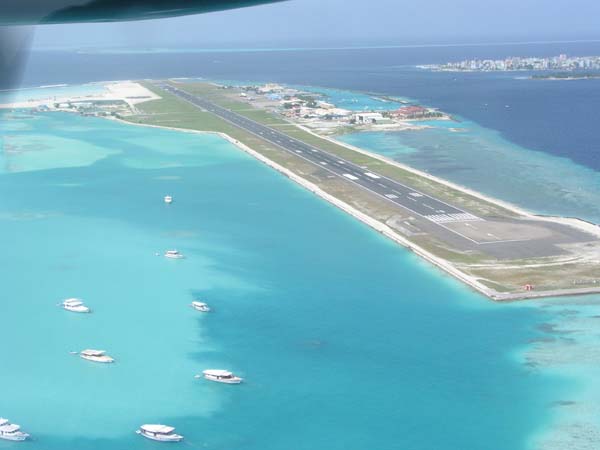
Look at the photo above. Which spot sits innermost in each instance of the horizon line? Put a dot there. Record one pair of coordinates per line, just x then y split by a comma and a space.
183, 48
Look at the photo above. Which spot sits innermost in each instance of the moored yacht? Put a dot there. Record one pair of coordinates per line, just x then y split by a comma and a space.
221, 376
11, 431
168, 199
96, 356
173, 254
162, 433
74, 305
200, 306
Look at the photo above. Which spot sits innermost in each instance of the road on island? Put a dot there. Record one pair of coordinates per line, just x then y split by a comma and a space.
422, 204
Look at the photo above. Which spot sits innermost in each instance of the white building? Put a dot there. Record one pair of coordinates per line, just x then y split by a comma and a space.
367, 117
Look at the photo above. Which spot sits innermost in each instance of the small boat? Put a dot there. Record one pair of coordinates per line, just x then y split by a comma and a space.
221, 376
173, 254
96, 356
74, 305
168, 199
162, 433
11, 431
200, 306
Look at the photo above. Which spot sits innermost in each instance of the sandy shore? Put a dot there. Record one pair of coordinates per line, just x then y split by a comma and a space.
388, 232
572, 221
130, 92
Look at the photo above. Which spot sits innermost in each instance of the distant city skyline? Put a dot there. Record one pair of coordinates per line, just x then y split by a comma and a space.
559, 62
339, 22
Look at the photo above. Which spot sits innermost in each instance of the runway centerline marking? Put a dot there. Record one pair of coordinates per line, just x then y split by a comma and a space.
251, 126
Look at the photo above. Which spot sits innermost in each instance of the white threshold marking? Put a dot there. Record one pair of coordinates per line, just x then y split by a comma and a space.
447, 218
372, 175
351, 177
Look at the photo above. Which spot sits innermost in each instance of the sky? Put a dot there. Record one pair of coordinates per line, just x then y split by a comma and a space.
345, 22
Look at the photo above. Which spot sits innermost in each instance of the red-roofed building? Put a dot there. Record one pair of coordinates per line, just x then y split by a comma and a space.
410, 112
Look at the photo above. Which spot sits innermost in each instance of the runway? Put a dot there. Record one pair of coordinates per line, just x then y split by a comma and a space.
393, 191
502, 238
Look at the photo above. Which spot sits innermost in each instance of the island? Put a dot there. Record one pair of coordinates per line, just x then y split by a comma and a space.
566, 76
561, 62
500, 250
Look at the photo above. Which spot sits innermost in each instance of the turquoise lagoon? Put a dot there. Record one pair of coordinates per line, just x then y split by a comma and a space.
356, 101
569, 349
346, 340
482, 159
44, 92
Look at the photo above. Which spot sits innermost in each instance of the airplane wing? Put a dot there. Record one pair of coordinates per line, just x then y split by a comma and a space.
14, 46
31, 12
17, 16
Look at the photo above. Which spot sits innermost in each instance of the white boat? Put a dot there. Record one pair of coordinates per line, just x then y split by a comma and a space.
11, 431
200, 306
173, 254
221, 376
74, 305
96, 356
162, 433
168, 199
